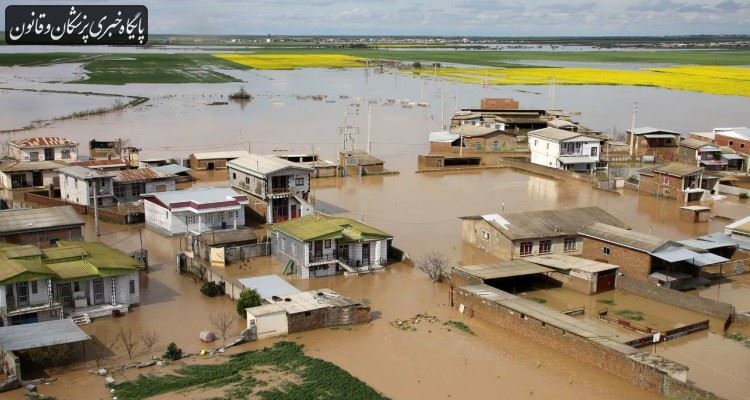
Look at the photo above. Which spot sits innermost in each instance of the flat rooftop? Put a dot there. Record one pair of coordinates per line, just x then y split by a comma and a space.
567, 263
506, 269
40, 334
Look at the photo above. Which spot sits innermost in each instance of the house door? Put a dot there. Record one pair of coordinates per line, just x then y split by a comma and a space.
9, 298
318, 248
98, 291
293, 211
22, 293
64, 295
49, 154
344, 253
17, 180
605, 282
365, 253
211, 166
36, 177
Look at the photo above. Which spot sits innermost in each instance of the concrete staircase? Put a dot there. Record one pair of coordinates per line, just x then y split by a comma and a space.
81, 319
347, 267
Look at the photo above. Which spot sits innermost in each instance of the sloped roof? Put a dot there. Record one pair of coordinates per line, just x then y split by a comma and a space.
79, 172
624, 237
269, 286
503, 269
43, 141
645, 130
117, 162
318, 227
265, 165
197, 197
40, 334
220, 155
20, 166
567, 262
547, 223
35, 219
554, 134
468, 130
140, 174
173, 169
675, 169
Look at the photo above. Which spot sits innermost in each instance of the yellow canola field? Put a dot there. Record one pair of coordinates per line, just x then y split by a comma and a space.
293, 61
734, 81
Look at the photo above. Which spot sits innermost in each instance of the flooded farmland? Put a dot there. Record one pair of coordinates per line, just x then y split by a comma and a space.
421, 211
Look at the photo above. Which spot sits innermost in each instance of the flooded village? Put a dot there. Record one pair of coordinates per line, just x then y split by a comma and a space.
421, 238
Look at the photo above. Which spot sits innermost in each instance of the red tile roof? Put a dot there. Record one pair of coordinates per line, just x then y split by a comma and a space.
43, 141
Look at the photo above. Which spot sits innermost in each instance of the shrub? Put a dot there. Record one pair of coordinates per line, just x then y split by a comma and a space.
173, 352
744, 195
248, 298
211, 289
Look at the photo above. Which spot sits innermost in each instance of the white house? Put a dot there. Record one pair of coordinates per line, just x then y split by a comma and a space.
284, 186
563, 149
194, 210
77, 186
43, 149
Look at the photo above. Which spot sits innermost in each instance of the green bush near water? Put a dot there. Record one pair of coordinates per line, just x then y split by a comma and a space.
211, 289
173, 352
248, 298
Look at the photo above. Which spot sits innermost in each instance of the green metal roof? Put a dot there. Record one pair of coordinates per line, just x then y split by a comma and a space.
70, 260
78, 269
319, 227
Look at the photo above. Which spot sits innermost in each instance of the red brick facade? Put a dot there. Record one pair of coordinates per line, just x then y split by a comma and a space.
739, 145
632, 263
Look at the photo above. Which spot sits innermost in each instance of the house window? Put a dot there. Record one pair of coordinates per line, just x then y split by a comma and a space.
594, 151
536, 142
666, 179
247, 180
731, 142
742, 145
65, 154
545, 246
22, 293
526, 248
34, 288
234, 175
132, 286
327, 243
569, 244
76, 286
34, 155
606, 250
299, 181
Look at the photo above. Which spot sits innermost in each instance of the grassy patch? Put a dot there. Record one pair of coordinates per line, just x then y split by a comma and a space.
607, 301
538, 300
630, 314
460, 326
295, 376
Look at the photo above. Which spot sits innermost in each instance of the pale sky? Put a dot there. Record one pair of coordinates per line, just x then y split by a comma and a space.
440, 17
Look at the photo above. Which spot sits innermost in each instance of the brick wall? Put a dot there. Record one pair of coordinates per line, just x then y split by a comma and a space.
576, 347
676, 298
655, 185
738, 145
498, 103
631, 263
301, 322
676, 390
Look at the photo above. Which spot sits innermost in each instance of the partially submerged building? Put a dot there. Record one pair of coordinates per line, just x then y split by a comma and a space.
221, 246
653, 144
86, 186
304, 311
129, 184
282, 186
531, 233
115, 150
215, 160
194, 210
32, 162
16, 174
738, 139
42, 227
47, 148
80, 279
648, 258
678, 181
563, 149
318, 245
321, 168
360, 162
702, 154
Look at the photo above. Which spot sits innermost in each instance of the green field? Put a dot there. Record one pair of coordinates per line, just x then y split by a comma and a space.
279, 372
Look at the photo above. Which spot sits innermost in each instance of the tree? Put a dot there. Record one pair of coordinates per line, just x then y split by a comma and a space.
173, 352
248, 298
222, 322
149, 339
102, 346
435, 265
130, 341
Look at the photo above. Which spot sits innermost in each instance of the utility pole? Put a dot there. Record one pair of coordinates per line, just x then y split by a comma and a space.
633, 146
96, 208
369, 127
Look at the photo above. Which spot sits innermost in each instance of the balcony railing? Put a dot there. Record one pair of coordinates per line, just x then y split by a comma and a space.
323, 257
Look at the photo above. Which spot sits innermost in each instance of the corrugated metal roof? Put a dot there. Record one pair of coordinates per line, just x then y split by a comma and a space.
206, 195
79, 172
220, 155
61, 253
265, 309
77, 269
551, 223
264, 165
313, 227
505, 269
442, 137
218, 237
732, 156
566, 263
34, 219
101, 163
44, 141
468, 130
140, 174
312, 300
269, 286
172, 169
577, 160
555, 134
704, 259
659, 136
40, 334
624, 237
675, 169
673, 254
25, 250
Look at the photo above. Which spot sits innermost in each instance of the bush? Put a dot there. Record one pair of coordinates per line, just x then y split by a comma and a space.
173, 352
212, 289
248, 298
744, 195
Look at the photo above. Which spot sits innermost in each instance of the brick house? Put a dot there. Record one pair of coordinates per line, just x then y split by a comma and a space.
737, 139
678, 181
41, 227
658, 144
532, 233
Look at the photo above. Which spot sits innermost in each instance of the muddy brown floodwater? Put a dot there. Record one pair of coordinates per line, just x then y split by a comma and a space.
420, 210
